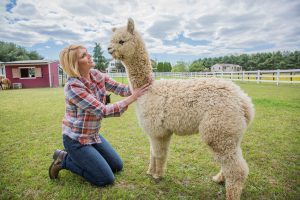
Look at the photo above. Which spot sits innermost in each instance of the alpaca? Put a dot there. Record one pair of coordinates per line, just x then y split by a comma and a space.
5, 83
215, 108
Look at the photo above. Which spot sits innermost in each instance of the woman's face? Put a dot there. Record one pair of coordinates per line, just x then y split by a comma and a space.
85, 62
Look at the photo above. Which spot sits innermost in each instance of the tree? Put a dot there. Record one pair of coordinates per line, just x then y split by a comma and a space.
164, 67
154, 65
160, 67
197, 66
180, 67
167, 67
34, 55
99, 59
12, 52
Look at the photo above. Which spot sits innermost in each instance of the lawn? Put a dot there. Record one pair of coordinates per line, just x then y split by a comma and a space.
30, 129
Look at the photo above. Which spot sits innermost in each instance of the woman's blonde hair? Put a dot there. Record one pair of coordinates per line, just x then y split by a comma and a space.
68, 59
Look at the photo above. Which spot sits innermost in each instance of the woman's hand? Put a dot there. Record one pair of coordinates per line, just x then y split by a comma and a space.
137, 93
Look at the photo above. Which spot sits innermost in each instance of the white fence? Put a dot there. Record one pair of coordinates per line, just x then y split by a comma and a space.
273, 76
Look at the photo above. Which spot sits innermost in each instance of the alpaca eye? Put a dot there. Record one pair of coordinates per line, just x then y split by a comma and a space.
121, 42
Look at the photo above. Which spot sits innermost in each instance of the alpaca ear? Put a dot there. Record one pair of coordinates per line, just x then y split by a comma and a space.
114, 29
130, 26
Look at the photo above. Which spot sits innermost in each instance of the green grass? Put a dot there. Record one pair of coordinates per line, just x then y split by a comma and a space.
30, 129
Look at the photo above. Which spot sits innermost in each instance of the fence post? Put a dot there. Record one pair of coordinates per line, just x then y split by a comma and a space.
243, 76
258, 76
278, 76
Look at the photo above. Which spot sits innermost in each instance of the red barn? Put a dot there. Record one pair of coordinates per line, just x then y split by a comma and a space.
33, 73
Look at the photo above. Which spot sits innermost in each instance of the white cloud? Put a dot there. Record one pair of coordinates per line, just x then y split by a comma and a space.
167, 28
229, 26
26, 9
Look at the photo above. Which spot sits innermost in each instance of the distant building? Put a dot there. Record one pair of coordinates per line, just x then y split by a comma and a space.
225, 68
2, 69
114, 66
33, 73
111, 66
117, 66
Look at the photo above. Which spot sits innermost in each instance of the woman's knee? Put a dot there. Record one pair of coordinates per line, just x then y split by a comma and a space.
118, 166
103, 181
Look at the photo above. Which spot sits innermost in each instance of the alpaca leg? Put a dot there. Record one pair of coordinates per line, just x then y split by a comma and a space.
235, 170
151, 169
224, 140
159, 152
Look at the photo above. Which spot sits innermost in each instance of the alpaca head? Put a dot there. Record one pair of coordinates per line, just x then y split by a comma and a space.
123, 43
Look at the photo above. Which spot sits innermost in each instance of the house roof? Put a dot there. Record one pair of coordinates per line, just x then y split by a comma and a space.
225, 65
26, 62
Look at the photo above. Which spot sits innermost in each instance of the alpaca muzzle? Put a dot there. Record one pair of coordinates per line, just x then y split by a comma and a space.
110, 50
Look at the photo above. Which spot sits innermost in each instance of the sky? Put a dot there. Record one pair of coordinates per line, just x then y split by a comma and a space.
173, 30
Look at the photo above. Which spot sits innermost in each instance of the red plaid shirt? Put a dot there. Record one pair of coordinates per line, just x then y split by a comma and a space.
85, 106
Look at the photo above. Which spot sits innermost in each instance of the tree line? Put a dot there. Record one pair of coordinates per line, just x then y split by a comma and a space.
12, 52
259, 61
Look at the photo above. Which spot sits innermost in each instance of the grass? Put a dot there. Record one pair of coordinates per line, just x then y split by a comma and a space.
30, 128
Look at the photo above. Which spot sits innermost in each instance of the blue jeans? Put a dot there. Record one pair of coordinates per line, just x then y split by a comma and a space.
95, 162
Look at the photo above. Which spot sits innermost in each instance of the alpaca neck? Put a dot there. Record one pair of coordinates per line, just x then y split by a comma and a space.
139, 69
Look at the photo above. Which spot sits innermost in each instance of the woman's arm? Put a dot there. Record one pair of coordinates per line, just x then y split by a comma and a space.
115, 87
77, 94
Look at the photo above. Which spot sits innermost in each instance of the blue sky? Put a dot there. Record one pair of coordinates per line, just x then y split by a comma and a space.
173, 30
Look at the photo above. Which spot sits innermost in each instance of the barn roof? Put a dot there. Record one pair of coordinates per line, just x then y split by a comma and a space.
26, 62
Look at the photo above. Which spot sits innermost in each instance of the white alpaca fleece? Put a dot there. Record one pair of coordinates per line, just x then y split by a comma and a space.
217, 109
181, 106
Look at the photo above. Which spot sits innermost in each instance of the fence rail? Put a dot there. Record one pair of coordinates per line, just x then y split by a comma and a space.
273, 76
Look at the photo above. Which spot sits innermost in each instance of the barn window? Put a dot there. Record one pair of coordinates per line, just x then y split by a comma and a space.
27, 72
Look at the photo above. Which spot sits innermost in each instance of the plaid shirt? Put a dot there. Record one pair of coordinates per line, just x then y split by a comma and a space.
85, 106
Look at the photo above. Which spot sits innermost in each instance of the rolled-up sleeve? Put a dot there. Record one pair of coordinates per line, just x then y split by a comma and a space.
79, 96
117, 88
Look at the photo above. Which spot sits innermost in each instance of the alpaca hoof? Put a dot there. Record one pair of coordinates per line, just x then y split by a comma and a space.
218, 179
156, 178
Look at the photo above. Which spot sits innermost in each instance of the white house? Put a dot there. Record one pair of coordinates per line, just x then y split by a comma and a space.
111, 66
225, 68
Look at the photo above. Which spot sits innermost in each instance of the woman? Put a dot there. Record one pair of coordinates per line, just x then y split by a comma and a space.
87, 153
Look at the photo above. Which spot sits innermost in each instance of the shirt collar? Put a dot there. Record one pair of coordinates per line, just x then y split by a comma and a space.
92, 77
